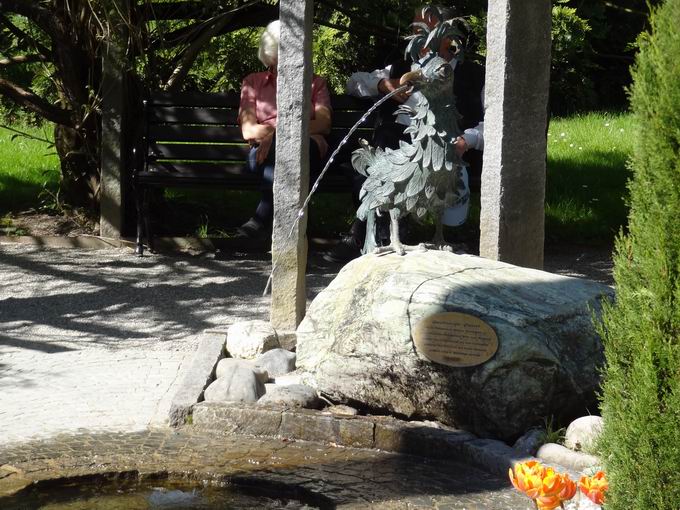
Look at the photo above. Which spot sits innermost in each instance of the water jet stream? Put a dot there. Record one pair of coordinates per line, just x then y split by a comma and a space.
302, 210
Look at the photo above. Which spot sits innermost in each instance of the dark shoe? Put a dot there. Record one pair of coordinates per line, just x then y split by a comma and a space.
347, 249
252, 229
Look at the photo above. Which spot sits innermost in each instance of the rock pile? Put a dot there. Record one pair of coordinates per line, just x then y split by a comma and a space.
259, 371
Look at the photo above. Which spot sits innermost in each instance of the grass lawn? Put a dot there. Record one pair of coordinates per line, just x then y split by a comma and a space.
27, 167
587, 175
585, 189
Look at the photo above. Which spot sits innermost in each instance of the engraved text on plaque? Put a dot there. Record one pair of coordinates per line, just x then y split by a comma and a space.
455, 339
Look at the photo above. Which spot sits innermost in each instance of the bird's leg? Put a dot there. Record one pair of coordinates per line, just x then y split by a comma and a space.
395, 244
369, 242
438, 241
394, 232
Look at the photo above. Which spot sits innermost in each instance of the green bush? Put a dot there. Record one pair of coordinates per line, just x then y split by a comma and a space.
571, 88
641, 331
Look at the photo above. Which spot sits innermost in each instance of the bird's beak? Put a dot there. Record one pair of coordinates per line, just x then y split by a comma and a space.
411, 76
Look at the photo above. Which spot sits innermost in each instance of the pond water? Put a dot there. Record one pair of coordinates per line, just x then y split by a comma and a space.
147, 495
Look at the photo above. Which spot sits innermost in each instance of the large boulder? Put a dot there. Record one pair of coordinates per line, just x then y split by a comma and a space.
355, 345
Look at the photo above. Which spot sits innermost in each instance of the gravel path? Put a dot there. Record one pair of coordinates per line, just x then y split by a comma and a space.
97, 339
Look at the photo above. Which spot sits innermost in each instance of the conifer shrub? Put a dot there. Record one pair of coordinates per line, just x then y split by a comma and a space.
641, 330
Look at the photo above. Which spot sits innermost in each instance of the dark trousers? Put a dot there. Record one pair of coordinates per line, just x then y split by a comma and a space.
265, 208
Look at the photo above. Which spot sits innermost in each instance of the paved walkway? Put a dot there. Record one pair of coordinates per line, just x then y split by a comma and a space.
97, 340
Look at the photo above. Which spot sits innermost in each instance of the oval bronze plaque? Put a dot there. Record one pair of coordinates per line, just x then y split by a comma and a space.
455, 339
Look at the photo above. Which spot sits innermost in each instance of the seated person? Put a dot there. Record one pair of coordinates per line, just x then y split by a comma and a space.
468, 90
257, 117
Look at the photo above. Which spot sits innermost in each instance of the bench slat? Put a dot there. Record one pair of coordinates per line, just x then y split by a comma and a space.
198, 152
227, 175
224, 116
184, 133
172, 114
348, 119
195, 99
232, 99
166, 172
345, 102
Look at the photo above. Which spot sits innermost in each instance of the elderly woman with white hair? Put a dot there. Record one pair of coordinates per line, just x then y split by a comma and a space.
257, 117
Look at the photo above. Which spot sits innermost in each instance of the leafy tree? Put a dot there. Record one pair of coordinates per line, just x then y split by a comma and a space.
51, 50
63, 39
641, 331
52, 64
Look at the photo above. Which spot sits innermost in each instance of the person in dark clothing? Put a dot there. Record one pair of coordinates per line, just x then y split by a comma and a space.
468, 90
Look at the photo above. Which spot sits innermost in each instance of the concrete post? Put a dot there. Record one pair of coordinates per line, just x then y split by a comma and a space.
513, 177
112, 136
291, 179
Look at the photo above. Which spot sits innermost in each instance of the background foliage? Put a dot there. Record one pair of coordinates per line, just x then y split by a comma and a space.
641, 331
593, 46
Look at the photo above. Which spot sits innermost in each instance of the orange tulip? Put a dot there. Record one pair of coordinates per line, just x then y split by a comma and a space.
556, 489
547, 488
594, 487
568, 490
527, 477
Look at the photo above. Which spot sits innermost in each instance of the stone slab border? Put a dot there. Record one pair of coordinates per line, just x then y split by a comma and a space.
106, 243
200, 373
373, 432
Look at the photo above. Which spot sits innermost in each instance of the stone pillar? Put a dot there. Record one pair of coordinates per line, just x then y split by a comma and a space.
513, 177
113, 136
291, 179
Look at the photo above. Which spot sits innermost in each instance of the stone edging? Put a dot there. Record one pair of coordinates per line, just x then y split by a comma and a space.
86, 242
374, 432
200, 373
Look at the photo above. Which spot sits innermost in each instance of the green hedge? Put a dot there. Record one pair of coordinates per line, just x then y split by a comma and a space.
641, 391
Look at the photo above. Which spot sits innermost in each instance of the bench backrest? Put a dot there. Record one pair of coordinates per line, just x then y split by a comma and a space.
194, 137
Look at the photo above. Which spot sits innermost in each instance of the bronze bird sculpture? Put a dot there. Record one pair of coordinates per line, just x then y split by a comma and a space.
423, 176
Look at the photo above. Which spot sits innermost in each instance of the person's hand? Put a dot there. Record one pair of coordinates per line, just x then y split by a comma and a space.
460, 146
389, 85
263, 148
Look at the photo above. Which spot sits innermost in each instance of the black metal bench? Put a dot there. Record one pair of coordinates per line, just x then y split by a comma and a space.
193, 139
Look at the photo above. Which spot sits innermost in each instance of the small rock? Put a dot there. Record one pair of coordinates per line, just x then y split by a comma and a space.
295, 395
582, 433
558, 454
530, 442
249, 339
277, 362
287, 339
227, 365
288, 379
237, 384
342, 410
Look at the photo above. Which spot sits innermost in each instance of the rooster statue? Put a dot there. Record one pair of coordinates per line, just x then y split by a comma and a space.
424, 175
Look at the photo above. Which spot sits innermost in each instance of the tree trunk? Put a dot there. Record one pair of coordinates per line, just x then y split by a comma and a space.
79, 184
79, 75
